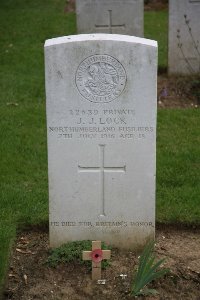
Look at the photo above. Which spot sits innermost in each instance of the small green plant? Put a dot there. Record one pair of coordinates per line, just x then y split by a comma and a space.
147, 271
72, 252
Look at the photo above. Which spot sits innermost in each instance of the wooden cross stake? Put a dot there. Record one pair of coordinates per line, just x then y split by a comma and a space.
96, 255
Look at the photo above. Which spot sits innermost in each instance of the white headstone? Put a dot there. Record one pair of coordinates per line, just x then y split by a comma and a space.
184, 37
110, 16
101, 121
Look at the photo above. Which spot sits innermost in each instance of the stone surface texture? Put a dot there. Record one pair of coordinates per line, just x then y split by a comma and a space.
110, 16
101, 123
184, 37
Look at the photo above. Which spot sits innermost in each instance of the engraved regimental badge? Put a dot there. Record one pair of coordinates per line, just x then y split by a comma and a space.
100, 78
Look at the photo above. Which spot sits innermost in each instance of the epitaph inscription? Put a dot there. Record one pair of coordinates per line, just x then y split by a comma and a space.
100, 78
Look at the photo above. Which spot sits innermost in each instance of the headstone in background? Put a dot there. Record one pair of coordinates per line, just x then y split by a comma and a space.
101, 120
110, 16
184, 37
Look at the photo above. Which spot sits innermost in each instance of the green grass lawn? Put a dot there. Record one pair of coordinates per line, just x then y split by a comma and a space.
156, 28
178, 166
25, 25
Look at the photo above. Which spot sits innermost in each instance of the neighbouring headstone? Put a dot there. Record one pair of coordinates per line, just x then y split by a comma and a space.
110, 16
101, 122
184, 37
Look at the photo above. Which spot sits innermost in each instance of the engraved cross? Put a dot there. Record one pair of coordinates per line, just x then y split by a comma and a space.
110, 25
102, 170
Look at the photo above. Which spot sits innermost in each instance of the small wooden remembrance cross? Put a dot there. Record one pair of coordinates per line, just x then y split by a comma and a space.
96, 255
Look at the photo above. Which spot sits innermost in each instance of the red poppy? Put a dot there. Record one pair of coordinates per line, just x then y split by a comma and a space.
97, 255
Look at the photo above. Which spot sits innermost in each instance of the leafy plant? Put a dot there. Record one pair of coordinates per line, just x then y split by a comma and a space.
147, 271
72, 252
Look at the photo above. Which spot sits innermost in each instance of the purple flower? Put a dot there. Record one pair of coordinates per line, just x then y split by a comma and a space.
164, 92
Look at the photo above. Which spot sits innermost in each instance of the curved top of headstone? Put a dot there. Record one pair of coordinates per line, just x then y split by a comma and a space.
100, 37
